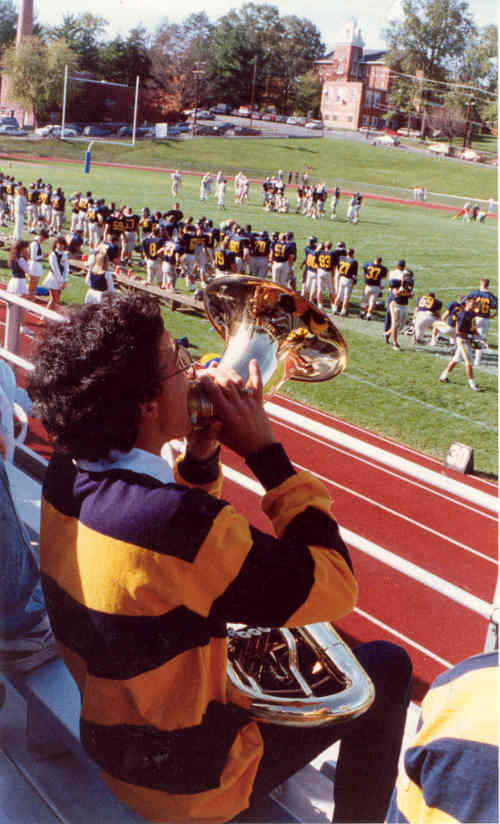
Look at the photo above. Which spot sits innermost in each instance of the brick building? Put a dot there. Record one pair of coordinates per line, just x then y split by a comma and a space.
356, 83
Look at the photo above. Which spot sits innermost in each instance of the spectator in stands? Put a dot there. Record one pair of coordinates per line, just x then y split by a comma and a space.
26, 640
451, 771
143, 622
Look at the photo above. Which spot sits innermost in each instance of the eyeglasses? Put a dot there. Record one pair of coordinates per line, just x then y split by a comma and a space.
183, 360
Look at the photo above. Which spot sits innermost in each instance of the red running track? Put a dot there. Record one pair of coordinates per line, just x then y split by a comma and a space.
435, 530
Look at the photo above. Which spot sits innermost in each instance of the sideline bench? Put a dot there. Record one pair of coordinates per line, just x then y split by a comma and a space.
171, 297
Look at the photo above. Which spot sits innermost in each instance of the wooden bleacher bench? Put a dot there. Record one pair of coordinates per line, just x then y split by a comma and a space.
171, 297
77, 264
53, 699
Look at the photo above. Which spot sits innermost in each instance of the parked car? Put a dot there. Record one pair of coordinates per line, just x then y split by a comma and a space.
202, 114
242, 130
314, 124
96, 131
244, 111
221, 108
269, 116
13, 131
280, 118
442, 149
68, 132
472, 155
75, 126
9, 121
141, 131
411, 133
225, 126
44, 130
386, 140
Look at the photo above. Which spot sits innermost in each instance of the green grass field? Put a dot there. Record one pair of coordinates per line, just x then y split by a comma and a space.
332, 160
396, 394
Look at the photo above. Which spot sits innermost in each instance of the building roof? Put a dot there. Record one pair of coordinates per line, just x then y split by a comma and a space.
373, 55
368, 56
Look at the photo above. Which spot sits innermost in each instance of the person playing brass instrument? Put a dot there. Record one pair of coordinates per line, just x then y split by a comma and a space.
143, 566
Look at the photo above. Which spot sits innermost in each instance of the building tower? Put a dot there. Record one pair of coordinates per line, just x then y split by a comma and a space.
24, 30
24, 21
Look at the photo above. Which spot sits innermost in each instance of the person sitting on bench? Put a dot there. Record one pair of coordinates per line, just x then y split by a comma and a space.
26, 638
142, 566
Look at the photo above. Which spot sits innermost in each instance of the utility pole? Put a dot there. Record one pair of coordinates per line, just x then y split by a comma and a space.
198, 72
470, 103
252, 95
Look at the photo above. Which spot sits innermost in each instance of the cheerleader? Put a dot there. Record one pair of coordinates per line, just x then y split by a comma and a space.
99, 278
19, 266
59, 269
36, 261
20, 207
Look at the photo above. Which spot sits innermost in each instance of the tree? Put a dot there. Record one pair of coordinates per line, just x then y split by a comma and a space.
121, 60
308, 94
431, 35
283, 49
175, 50
36, 73
8, 23
427, 41
478, 67
83, 33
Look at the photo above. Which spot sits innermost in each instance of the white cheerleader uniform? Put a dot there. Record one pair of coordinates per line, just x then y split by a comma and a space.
36, 259
59, 270
99, 284
17, 284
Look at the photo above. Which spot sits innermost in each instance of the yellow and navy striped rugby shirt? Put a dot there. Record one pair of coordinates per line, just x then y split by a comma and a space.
141, 572
451, 771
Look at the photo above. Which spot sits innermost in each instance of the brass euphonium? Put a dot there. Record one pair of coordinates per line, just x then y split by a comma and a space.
305, 676
289, 336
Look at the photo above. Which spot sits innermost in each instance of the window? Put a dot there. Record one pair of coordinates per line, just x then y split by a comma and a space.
341, 67
366, 120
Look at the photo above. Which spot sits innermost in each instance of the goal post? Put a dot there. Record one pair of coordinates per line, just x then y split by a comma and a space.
68, 77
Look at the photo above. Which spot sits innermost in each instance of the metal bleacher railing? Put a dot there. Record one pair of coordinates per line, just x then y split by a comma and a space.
16, 306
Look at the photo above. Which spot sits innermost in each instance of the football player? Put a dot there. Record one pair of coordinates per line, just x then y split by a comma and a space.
325, 259
347, 268
485, 308
401, 290
427, 311
310, 266
466, 333
374, 275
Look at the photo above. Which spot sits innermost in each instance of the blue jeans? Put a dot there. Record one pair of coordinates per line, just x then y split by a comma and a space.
22, 604
370, 745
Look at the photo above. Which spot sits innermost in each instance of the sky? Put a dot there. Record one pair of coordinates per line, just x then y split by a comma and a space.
123, 15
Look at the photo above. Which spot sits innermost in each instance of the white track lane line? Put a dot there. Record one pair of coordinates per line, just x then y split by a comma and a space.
409, 520
437, 480
403, 637
373, 435
385, 556
382, 468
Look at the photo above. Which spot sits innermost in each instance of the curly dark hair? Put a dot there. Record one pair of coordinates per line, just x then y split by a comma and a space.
92, 373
